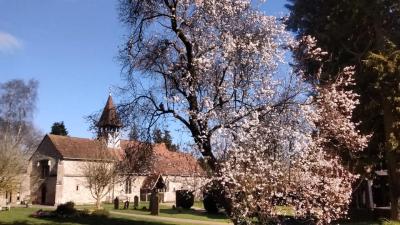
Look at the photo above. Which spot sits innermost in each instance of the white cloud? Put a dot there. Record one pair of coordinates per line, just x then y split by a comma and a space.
8, 43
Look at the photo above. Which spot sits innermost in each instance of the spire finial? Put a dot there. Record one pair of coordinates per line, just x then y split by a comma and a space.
109, 91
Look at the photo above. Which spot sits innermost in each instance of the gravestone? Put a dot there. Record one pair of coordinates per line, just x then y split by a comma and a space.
154, 204
116, 203
126, 205
135, 202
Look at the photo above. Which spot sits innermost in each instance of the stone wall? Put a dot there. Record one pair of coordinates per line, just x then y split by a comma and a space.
66, 183
45, 151
75, 188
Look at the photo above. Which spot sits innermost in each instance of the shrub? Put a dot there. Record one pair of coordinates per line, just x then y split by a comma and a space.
210, 205
85, 212
184, 199
214, 198
66, 209
101, 213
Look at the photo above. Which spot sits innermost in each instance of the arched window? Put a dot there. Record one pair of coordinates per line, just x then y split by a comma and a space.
128, 186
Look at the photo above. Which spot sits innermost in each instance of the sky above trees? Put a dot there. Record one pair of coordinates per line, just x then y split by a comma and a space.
71, 48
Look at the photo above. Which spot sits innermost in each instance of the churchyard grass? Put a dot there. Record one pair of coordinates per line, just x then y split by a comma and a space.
22, 216
198, 204
167, 211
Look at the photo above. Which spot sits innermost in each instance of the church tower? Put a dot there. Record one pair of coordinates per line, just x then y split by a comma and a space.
109, 125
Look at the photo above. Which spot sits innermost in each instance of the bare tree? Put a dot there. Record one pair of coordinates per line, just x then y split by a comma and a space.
17, 106
12, 162
18, 137
137, 159
100, 172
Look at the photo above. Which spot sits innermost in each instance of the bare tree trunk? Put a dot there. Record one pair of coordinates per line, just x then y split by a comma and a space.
98, 203
392, 158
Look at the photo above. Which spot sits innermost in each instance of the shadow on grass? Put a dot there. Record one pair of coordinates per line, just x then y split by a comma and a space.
194, 213
85, 220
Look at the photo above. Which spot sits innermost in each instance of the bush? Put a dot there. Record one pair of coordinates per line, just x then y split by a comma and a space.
66, 209
210, 205
85, 212
184, 199
101, 213
214, 198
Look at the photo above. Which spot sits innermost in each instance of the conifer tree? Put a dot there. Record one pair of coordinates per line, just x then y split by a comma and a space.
58, 128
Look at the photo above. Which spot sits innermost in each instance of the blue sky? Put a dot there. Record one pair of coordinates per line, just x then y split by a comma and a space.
70, 47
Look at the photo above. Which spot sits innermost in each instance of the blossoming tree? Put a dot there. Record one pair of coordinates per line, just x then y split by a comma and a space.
291, 156
213, 67
206, 64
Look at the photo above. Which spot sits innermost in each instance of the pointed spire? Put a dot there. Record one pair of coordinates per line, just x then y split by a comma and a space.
109, 117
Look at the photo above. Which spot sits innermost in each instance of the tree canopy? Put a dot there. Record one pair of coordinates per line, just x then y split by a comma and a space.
166, 138
363, 34
58, 128
18, 136
213, 67
207, 63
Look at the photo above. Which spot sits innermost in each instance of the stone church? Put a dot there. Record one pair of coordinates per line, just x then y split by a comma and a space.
56, 167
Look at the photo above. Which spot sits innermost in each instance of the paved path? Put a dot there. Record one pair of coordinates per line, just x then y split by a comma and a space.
170, 219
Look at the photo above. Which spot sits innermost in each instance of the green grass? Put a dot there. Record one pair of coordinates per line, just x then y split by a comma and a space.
21, 216
382, 222
386, 222
285, 210
198, 204
167, 211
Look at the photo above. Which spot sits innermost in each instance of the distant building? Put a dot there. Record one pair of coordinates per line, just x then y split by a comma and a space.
18, 194
56, 177
372, 195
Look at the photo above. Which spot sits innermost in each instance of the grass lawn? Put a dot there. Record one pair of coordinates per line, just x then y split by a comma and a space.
167, 211
383, 222
198, 204
21, 216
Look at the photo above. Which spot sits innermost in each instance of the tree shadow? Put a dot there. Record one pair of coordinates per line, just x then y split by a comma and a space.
84, 220
194, 212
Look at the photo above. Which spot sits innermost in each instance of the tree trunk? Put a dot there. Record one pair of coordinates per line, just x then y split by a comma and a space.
207, 153
392, 159
98, 203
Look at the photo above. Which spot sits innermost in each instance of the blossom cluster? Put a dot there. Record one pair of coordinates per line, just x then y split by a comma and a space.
335, 103
291, 157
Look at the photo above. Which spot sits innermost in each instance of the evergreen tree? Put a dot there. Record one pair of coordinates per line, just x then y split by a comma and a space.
158, 136
166, 138
58, 128
364, 34
134, 134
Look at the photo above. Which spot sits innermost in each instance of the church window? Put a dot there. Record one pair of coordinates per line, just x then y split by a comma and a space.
128, 186
44, 168
77, 187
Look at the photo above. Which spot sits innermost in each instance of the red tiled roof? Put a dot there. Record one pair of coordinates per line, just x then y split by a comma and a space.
165, 162
82, 148
175, 163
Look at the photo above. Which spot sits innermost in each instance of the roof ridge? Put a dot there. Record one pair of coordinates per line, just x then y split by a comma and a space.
70, 137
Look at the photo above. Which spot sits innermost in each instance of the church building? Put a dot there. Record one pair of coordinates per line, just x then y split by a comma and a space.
56, 167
